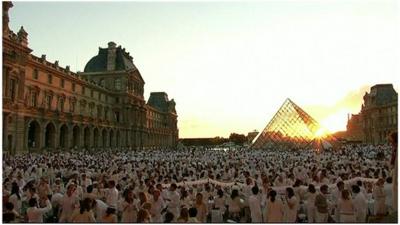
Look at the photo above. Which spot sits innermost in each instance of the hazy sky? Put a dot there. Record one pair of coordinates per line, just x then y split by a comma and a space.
230, 65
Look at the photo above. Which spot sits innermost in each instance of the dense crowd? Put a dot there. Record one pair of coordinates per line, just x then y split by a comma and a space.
268, 185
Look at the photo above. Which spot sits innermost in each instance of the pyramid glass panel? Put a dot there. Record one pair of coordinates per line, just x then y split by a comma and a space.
291, 127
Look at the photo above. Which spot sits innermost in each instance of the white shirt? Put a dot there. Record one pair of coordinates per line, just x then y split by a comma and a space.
35, 215
100, 210
360, 204
389, 193
16, 202
68, 204
156, 208
56, 199
255, 208
112, 197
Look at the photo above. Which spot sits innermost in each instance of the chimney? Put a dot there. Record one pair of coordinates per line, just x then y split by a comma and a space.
6, 18
111, 56
67, 68
56, 63
23, 37
43, 58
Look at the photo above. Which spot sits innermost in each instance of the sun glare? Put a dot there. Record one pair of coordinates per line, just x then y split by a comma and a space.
321, 132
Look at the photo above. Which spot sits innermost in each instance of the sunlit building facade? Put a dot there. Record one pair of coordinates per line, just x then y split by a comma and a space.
47, 107
378, 116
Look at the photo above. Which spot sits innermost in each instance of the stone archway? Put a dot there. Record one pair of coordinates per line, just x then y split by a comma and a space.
86, 137
76, 136
117, 139
104, 137
33, 135
96, 137
63, 136
110, 141
50, 136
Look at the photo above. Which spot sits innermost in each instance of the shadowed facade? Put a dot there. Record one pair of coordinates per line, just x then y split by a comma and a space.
47, 107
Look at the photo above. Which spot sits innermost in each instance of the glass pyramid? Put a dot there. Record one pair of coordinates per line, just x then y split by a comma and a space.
291, 127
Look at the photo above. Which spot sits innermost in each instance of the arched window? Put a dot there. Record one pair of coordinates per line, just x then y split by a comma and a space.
117, 84
102, 82
61, 100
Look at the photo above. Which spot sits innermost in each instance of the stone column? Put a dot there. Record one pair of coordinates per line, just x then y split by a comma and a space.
57, 136
18, 138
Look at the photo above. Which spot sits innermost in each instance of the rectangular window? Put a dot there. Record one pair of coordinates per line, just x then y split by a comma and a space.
33, 99
91, 93
62, 83
12, 90
61, 105
49, 78
72, 106
116, 116
35, 74
48, 102
73, 87
83, 90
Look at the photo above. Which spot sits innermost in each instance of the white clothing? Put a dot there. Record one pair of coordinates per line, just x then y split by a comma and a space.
275, 211
234, 205
16, 202
112, 197
101, 209
255, 209
173, 204
129, 211
291, 213
68, 205
156, 208
361, 207
35, 215
311, 207
389, 195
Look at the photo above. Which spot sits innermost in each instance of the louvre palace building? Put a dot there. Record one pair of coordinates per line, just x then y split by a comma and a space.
50, 108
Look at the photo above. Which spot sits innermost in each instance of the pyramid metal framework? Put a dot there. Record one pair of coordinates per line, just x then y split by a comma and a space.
291, 127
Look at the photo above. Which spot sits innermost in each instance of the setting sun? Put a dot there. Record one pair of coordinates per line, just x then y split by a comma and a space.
321, 132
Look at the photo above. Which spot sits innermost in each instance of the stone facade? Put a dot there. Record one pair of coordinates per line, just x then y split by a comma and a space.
378, 116
47, 107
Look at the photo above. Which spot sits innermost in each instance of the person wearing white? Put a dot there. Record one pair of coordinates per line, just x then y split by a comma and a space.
346, 208
219, 201
129, 208
15, 198
35, 214
388, 187
202, 210
100, 209
379, 198
157, 205
234, 205
360, 204
112, 194
322, 205
275, 210
311, 194
255, 206
292, 205
173, 200
68, 204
